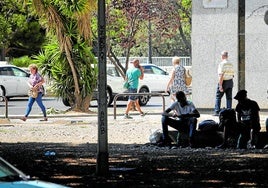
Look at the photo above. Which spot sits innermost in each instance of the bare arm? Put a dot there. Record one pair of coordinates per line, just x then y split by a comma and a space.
220, 82
170, 80
195, 113
142, 72
40, 83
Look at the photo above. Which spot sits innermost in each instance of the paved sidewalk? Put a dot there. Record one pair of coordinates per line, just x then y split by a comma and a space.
153, 117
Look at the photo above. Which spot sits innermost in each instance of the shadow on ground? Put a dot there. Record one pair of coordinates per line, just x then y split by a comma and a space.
140, 165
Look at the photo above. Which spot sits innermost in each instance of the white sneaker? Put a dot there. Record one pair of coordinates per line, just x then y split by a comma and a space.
126, 116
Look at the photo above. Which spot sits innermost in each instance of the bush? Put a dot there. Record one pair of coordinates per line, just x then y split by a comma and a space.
23, 61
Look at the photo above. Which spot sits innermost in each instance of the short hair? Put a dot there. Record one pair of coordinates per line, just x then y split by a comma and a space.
180, 95
33, 66
176, 60
135, 61
224, 53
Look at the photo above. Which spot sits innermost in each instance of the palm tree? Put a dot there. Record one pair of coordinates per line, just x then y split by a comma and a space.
69, 22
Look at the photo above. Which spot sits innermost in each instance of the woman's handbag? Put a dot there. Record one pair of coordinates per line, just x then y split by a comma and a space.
188, 78
126, 84
33, 92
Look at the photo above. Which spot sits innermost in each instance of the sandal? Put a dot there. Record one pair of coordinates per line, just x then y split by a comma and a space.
23, 118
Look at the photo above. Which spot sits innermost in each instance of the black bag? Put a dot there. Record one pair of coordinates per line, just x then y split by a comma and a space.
208, 125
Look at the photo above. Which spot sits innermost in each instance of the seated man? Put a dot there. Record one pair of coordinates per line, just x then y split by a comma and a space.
229, 126
184, 118
248, 118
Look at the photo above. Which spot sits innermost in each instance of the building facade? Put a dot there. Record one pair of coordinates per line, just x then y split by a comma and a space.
238, 27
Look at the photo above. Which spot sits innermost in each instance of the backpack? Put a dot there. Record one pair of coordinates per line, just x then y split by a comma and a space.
208, 125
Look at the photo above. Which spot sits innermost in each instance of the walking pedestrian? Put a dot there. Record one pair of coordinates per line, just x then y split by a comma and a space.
132, 76
177, 79
35, 82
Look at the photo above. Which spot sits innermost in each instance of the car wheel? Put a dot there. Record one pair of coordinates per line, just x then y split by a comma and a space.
143, 100
2, 94
65, 101
109, 97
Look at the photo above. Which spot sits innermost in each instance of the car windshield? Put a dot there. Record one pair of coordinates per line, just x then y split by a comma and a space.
10, 173
148, 69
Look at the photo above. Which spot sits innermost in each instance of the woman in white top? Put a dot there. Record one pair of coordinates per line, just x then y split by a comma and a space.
177, 79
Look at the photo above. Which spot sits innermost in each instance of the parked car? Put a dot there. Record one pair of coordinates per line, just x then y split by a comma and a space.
11, 177
13, 81
155, 81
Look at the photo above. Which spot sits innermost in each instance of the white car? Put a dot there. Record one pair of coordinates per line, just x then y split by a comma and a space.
13, 81
155, 81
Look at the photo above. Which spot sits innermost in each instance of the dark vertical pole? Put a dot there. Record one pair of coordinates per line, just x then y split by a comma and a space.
2, 54
150, 40
241, 45
102, 166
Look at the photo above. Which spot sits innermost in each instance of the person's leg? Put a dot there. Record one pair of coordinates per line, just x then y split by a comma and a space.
137, 104
243, 138
192, 122
219, 95
28, 108
228, 93
41, 105
129, 105
167, 121
254, 134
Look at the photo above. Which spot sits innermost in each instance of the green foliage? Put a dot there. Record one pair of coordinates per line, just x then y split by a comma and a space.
127, 27
54, 64
23, 61
20, 33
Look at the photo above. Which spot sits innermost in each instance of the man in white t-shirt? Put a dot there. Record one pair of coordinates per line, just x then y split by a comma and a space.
225, 84
183, 118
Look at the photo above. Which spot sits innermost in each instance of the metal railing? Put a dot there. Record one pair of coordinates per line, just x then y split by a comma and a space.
159, 61
6, 105
139, 94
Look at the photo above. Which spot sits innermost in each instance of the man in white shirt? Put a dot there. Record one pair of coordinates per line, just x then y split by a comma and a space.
225, 84
183, 118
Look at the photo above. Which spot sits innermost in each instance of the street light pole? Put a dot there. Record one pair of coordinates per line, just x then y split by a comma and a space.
102, 167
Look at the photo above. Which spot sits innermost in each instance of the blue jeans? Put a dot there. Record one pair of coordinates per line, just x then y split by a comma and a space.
38, 99
219, 95
187, 125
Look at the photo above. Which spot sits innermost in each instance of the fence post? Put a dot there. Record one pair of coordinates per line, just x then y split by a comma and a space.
6, 106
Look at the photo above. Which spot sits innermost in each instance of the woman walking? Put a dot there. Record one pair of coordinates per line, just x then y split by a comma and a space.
35, 82
177, 79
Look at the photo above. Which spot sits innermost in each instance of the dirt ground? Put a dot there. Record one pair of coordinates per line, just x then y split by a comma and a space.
133, 162
140, 165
